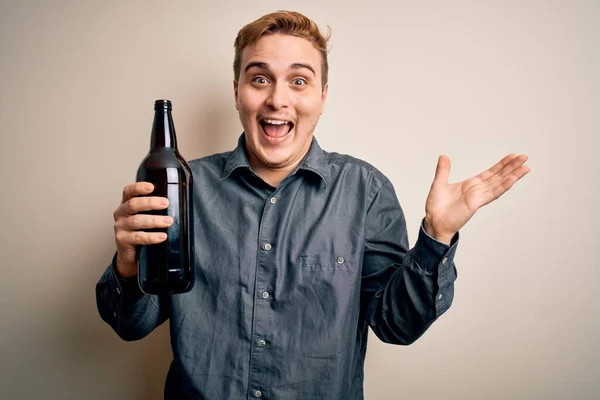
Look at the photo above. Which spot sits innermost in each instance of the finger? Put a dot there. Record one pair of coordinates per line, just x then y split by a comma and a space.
508, 169
136, 189
137, 238
505, 184
514, 165
500, 168
146, 203
138, 204
496, 168
143, 221
442, 171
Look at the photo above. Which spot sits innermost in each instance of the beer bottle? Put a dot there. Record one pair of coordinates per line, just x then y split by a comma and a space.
167, 267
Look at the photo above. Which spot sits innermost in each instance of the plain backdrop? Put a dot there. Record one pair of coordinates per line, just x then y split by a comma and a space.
409, 80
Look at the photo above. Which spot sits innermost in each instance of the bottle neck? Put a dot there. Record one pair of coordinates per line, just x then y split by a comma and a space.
163, 130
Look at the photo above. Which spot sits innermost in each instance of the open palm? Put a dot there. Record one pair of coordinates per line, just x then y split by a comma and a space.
450, 206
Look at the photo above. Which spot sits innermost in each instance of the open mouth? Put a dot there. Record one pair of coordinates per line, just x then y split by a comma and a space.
276, 128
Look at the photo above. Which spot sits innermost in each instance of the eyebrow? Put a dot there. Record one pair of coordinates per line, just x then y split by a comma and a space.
264, 65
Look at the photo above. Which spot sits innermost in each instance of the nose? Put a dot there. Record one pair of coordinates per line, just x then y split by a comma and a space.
279, 97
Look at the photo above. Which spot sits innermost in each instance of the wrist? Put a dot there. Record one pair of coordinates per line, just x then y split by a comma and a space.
437, 234
125, 270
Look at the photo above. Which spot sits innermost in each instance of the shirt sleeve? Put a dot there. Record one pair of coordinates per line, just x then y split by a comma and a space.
131, 313
403, 291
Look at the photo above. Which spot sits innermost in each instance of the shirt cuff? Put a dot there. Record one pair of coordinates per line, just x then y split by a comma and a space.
127, 290
429, 252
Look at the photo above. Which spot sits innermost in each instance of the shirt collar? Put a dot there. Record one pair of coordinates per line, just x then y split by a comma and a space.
315, 160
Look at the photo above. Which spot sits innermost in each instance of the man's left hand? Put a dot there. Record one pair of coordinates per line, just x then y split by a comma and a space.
450, 206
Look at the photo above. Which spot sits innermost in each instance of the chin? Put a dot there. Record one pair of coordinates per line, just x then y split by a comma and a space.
275, 160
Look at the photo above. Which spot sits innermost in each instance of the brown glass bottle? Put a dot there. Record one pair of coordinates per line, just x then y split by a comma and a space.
167, 267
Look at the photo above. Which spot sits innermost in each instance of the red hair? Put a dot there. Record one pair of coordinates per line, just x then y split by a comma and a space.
287, 23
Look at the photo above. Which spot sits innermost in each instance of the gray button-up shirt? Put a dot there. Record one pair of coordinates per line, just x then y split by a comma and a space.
288, 280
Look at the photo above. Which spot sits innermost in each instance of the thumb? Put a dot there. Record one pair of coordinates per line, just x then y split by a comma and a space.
442, 171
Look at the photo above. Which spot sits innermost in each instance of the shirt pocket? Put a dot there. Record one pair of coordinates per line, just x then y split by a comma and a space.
329, 294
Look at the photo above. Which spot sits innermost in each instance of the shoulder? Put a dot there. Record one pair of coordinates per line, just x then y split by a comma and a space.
213, 162
344, 164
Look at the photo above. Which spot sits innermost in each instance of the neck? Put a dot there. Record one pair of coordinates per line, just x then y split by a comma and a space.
163, 130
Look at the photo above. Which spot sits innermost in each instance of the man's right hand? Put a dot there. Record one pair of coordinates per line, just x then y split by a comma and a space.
129, 224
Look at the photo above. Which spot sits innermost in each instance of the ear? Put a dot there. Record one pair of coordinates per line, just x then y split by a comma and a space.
324, 97
235, 94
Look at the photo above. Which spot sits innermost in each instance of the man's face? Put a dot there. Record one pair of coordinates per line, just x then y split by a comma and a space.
279, 97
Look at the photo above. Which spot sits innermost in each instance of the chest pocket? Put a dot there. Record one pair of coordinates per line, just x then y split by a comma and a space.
328, 302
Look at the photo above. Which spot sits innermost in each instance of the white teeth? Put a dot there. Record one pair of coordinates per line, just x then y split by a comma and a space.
275, 122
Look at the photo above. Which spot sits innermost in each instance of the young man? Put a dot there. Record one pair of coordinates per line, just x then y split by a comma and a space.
297, 251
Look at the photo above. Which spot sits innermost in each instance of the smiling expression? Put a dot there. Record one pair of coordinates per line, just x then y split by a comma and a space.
279, 97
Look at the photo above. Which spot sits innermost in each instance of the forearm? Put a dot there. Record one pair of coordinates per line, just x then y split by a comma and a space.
131, 313
418, 292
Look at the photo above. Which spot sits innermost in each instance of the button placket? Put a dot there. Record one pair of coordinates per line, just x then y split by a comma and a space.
263, 284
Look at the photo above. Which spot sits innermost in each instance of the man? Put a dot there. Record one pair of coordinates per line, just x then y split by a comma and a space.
298, 250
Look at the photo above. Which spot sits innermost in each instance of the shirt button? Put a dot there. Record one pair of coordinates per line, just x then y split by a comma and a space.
115, 314
118, 291
265, 295
340, 260
444, 260
268, 246
258, 393
440, 296
273, 200
262, 343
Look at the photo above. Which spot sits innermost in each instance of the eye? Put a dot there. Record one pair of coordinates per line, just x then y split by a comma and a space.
260, 80
299, 81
